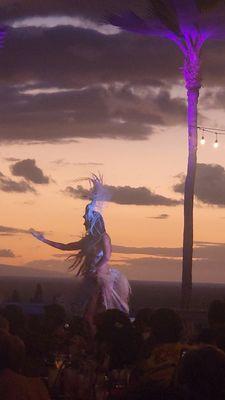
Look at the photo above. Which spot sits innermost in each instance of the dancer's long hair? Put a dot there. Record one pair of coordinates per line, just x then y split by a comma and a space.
91, 240
95, 227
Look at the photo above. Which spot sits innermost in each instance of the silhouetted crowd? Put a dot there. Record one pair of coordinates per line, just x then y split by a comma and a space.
156, 356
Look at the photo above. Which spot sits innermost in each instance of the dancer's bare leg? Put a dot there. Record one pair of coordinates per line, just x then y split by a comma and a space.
91, 308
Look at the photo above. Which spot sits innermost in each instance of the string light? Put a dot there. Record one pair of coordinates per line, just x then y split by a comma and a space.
216, 143
215, 131
202, 141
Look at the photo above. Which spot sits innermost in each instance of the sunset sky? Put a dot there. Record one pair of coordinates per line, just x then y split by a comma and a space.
79, 96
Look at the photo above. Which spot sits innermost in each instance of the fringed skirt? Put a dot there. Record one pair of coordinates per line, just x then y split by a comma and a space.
114, 289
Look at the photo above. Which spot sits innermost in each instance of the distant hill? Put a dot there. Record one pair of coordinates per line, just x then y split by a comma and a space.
70, 290
14, 271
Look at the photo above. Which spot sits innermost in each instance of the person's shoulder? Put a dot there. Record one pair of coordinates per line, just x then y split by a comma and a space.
106, 236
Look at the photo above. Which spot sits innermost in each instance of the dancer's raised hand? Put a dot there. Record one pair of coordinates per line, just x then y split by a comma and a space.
61, 246
37, 235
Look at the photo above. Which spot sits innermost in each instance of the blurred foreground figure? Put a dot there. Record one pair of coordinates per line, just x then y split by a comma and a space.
104, 287
14, 385
202, 374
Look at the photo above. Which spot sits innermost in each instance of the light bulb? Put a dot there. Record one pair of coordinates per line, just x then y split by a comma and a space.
216, 144
202, 141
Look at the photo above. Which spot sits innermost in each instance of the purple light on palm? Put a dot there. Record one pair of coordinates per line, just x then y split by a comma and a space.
188, 23
2, 37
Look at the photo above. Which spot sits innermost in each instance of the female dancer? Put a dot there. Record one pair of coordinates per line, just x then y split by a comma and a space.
108, 288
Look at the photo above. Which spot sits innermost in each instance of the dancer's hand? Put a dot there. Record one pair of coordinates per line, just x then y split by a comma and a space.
38, 235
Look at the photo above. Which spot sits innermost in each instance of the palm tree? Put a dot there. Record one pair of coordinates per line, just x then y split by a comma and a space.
188, 23
2, 36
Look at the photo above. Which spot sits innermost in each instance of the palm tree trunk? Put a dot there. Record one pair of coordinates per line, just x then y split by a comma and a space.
192, 69
193, 94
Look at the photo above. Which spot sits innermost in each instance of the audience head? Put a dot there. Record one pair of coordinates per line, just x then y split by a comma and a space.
79, 326
216, 313
166, 326
17, 320
4, 325
12, 352
109, 321
202, 374
143, 320
54, 316
115, 330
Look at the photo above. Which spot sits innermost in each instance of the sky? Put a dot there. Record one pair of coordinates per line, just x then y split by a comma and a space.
79, 96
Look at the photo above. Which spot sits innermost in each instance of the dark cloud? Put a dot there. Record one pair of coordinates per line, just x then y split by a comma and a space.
139, 54
12, 159
7, 253
169, 252
95, 10
29, 170
97, 111
214, 99
12, 231
213, 58
208, 251
210, 184
8, 185
126, 195
94, 164
152, 269
82, 58
52, 264
32, 270
160, 216
76, 57
210, 269
61, 161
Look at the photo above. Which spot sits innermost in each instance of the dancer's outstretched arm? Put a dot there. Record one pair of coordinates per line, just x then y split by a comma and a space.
60, 246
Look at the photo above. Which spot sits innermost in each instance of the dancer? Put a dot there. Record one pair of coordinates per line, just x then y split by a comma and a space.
107, 287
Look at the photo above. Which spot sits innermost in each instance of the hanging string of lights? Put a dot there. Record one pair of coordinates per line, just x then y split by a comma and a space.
215, 131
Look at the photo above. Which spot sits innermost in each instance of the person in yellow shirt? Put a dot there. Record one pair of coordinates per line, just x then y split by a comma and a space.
166, 330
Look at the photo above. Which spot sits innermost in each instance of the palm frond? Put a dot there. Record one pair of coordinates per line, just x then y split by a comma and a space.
2, 36
208, 5
165, 12
212, 21
129, 21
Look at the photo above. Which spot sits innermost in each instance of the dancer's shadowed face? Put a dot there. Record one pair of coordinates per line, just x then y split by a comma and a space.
86, 222
93, 222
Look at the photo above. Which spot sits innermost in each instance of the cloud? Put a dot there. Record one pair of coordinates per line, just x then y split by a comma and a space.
112, 54
157, 264
63, 162
11, 230
160, 216
8, 185
152, 269
50, 265
94, 85
126, 195
28, 170
96, 10
113, 111
202, 251
7, 253
167, 252
210, 184
80, 57
214, 99
75, 21
11, 159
